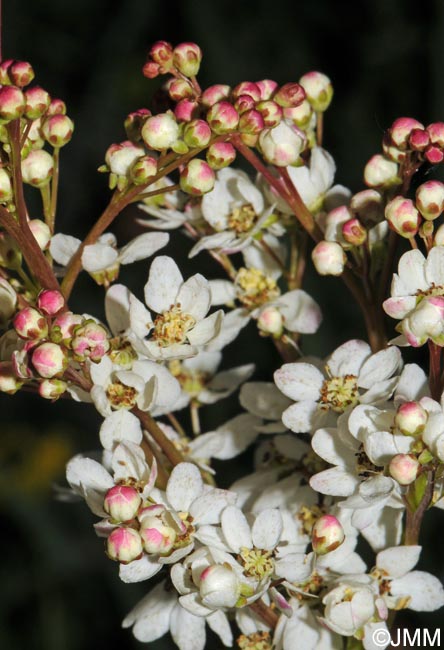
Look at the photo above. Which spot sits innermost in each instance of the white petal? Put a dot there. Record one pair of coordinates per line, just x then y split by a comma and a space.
225, 383
218, 622
411, 269
117, 302
120, 425
206, 329
163, 284
294, 568
381, 446
379, 366
184, 485
223, 292
139, 316
209, 242
328, 445
263, 399
267, 529
335, 481
194, 296
143, 246
235, 529
63, 247
188, 631
412, 384
348, 358
300, 312
207, 508
152, 614
98, 257
299, 381
426, 591
398, 560
138, 571
90, 479
232, 324
300, 417
232, 438
191, 603
434, 266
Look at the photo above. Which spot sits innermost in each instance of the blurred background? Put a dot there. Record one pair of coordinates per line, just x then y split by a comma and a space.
58, 590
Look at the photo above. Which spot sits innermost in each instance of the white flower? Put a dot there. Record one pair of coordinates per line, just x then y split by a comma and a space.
352, 375
303, 626
169, 209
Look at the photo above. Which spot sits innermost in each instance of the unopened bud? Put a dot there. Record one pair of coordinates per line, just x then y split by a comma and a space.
290, 95
52, 388
214, 94
401, 129
37, 101
63, 326
187, 58
30, 324
57, 130
37, 168
430, 199
12, 103
151, 70
403, 217
9, 382
122, 503
197, 133
41, 232
425, 322
270, 321
327, 534
251, 122
49, 360
143, 169
411, 418
328, 258
90, 341
267, 88
271, 112
160, 131
247, 88
197, 178
4, 76
157, 538
180, 89
162, 54
21, 73
124, 545
404, 468
220, 154
56, 107
434, 154
368, 205
354, 232
381, 172
219, 586
244, 103
419, 139
318, 89
50, 301
334, 221
282, 145
120, 157
186, 110
134, 122
223, 117
436, 133
300, 115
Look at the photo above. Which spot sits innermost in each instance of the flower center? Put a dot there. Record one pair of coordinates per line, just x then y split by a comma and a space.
172, 326
255, 641
254, 288
364, 465
192, 382
257, 562
122, 352
308, 517
242, 219
313, 586
433, 290
338, 393
121, 396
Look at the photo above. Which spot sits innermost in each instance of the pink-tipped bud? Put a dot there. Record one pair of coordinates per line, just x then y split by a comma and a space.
37, 101
381, 172
56, 107
270, 321
157, 538
328, 258
404, 468
197, 133
354, 232
271, 112
121, 157
214, 94
12, 103
186, 110
180, 89
90, 341
187, 58
282, 145
267, 87
21, 73
244, 103
403, 217
41, 232
251, 122
220, 154
143, 169
161, 52
290, 95
37, 168
434, 154
430, 199
63, 326
219, 586
401, 129
134, 122
30, 324
52, 388
419, 139
57, 130
436, 133
124, 545
197, 178
425, 322
9, 382
300, 115
151, 70
49, 360
5, 186
160, 131
334, 222
247, 88
50, 301
122, 503
223, 117
327, 534
4, 67
411, 418
318, 89
390, 151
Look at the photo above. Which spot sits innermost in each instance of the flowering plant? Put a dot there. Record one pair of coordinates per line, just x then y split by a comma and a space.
345, 448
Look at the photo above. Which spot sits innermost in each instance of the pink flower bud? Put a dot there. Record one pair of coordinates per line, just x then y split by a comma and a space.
197, 178
134, 122
290, 95
63, 326
186, 110
220, 154
404, 468
334, 221
4, 67
160, 131
124, 545
411, 418
90, 341
247, 88
244, 103
5, 186
12, 103
21, 73
434, 154
430, 199
157, 538
49, 360
143, 169
41, 232
30, 324
223, 117
50, 301
282, 145
402, 216
151, 70
122, 503
161, 52
381, 172
9, 382
300, 115
436, 133
270, 321
401, 129
214, 94
354, 232
327, 534
120, 157
37, 168
328, 258
37, 101
425, 322
180, 89
219, 586
419, 139
267, 87
390, 151
271, 112
57, 130
318, 89
187, 58
197, 133
251, 122
56, 107
52, 388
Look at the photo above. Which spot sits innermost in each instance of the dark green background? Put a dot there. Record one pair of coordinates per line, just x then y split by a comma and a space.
58, 591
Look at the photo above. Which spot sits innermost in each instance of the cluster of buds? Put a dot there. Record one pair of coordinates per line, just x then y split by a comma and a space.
407, 217
411, 420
